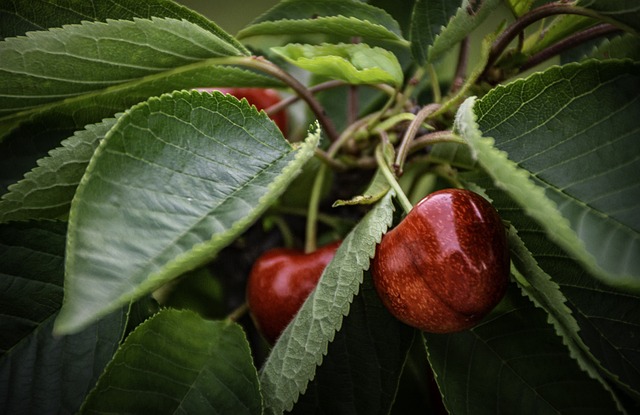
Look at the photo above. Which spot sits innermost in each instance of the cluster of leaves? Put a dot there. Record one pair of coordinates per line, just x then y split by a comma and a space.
128, 197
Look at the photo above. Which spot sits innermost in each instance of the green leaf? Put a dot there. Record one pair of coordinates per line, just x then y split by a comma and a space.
429, 17
29, 135
520, 7
513, 361
584, 157
378, 187
574, 130
468, 17
176, 179
62, 63
365, 15
177, 362
619, 47
46, 191
341, 26
22, 16
369, 351
559, 28
295, 356
607, 317
38, 370
624, 11
353, 63
546, 294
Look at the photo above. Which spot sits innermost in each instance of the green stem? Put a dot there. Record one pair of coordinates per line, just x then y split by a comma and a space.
237, 314
314, 207
435, 84
435, 138
388, 174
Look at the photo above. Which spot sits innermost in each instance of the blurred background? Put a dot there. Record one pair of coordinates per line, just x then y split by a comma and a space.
230, 15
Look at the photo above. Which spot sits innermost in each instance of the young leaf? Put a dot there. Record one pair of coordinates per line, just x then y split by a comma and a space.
62, 63
39, 371
469, 16
302, 10
46, 191
177, 362
175, 180
353, 63
513, 361
369, 351
578, 138
520, 7
294, 358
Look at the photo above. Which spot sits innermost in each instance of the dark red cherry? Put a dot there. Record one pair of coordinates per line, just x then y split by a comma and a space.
279, 282
446, 265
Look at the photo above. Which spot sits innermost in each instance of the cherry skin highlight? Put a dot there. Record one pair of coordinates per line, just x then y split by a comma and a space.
279, 282
446, 265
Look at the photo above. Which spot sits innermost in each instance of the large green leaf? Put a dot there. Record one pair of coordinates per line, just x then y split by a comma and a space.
177, 362
576, 130
21, 16
296, 355
513, 362
369, 351
175, 180
47, 190
28, 136
62, 63
353, 63
306, 11
39, 371
606, 318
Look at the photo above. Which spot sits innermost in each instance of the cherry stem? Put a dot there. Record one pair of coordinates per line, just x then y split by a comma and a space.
391, 178
410, 134
435, 84
239, 312
310, 244
285, 231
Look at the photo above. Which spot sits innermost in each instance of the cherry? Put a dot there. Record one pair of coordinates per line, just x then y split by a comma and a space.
262, 98
279, 282
446, 265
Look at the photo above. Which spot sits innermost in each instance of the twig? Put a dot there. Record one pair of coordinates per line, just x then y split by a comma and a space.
568, 43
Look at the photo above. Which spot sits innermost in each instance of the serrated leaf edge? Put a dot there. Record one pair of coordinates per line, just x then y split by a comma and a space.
545, 212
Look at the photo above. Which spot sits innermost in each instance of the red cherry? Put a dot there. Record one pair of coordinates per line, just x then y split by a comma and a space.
279, 282
262, 98
446, 265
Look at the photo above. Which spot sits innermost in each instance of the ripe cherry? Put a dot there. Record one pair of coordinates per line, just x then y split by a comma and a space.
446, 265
279, 282
262, 98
